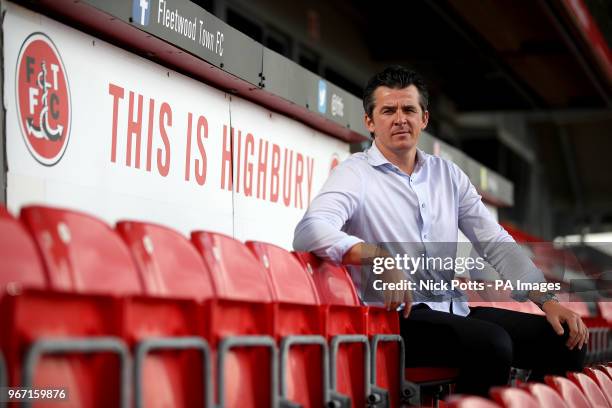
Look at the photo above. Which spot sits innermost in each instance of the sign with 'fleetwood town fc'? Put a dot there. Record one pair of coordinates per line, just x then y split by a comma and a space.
93, 127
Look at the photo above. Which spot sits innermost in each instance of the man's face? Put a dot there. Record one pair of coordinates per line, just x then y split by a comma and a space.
397, 119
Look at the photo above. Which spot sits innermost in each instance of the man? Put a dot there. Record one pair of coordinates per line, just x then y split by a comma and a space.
395, 193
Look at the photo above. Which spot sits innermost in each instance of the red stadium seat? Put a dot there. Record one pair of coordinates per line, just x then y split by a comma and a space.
590, 389
469, 401
606, 369
346, 329
168, 262
21, 266
52, 330
571, 394
235, 272
81, 253
241, 322
510, 397
299, 327
545, 396
172, 360
602, 380
388, 354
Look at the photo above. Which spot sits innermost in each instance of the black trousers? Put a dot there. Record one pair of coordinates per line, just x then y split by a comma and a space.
485, 344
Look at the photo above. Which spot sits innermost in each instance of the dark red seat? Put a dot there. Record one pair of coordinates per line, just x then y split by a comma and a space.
388, 354
21, 266
81, 253
345, 331
70, 333
169, 264
167, 326
241, 322
299, 328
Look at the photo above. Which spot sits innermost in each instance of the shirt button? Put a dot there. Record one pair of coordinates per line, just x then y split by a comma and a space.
424, 236
423, 205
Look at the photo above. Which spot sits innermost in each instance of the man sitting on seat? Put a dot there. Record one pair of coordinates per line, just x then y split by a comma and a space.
396, 193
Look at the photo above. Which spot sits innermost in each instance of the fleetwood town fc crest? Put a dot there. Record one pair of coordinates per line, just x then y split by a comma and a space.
43, 99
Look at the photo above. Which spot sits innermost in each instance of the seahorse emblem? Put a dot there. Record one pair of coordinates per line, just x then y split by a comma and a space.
45, 130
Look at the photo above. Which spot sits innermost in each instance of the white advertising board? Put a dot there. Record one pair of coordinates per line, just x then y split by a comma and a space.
92, 127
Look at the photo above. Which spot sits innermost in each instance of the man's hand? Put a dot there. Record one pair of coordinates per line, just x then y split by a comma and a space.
556, 314
394, 298
362, 253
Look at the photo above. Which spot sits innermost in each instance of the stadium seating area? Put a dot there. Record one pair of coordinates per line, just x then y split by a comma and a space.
140, 315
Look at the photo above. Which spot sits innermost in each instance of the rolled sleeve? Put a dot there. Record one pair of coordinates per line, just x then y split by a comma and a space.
336, 252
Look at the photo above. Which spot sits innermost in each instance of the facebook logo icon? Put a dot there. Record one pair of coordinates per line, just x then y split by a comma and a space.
141, 11
322, 96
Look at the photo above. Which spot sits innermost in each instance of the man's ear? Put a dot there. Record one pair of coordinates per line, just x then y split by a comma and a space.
369, 123
425, 119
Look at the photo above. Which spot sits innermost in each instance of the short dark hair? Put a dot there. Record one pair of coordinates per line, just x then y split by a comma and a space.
394, 77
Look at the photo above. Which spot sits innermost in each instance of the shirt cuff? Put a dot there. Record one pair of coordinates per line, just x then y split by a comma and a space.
337, 251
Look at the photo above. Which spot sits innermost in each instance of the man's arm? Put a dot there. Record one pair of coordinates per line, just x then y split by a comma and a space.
498, 248
320, 229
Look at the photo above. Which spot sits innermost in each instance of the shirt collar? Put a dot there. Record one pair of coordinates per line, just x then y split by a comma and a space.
376, 158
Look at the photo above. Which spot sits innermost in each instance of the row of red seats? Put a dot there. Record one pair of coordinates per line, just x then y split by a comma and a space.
147, 288
590, 389
98, 310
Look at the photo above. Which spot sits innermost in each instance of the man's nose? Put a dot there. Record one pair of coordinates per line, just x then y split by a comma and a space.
400, 117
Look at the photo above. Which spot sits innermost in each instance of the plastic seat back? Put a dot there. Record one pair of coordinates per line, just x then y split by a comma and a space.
291, 283
88, 265
81, 253
298, 313
388, 366
345, 316
569, 391
333, 282
35, 316
545, 396
21, 266
590, 389
235, 272
513, 398
602, 380
171, 267
243, 307
169, 264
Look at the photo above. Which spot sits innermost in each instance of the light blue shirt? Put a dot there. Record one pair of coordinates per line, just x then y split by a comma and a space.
368, 199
